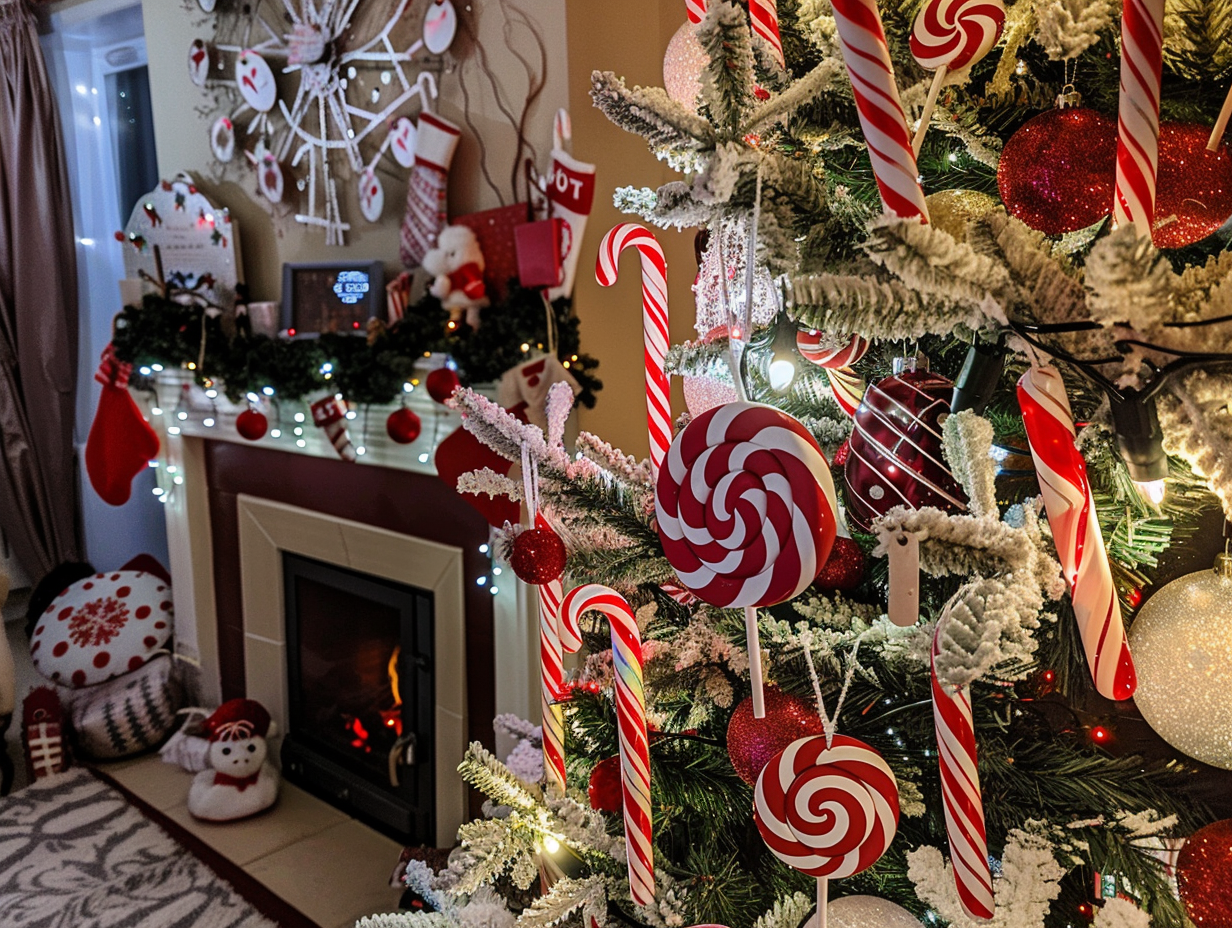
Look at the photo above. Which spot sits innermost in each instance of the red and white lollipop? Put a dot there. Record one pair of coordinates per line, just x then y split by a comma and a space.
950, 35
830, 812
830, 352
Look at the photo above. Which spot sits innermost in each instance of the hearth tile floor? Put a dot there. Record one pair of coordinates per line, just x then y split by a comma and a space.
329, 866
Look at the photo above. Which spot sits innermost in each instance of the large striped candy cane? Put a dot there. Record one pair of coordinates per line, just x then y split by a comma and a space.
631, 718
654, 325
552, 683
881, 112
1142, 55
764, 17
696, 10
1075, 530
960, 792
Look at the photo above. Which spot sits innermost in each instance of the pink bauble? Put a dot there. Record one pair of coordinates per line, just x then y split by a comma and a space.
682, 67
895, 449
752, 742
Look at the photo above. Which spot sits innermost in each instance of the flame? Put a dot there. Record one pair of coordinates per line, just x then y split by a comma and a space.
392, 717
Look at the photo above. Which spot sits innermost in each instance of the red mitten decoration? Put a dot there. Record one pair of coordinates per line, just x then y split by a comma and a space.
461, 452
121, 443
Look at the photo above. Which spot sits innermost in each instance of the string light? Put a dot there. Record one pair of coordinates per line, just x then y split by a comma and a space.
784, 357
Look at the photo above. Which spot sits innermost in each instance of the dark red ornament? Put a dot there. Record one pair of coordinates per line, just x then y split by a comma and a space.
441, 383
538, 556
752, 742
1058, 172
251, 424
843, 570
1193, 190
605, 790
403, 426
1202, 872
896, 457
459, 452
841, 454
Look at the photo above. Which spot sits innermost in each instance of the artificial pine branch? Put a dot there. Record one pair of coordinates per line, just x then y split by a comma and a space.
650, 113
727, 78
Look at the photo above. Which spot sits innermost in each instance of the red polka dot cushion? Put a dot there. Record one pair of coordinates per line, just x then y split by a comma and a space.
101, 627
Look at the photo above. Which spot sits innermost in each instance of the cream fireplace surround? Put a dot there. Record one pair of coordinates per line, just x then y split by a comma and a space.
266, 530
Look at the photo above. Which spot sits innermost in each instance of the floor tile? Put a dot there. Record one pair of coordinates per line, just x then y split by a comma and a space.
164, 786
335, 876
295, 816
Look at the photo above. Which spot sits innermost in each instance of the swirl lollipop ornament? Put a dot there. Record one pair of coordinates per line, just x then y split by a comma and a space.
950, 35
829, 810
746, 512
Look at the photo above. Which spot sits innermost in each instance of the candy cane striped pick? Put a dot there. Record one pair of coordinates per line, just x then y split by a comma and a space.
654, 325
1075, 529
552, 682
696, 10
1142, 55
960, 791
847, 388
631, 718
877, 102
764, 16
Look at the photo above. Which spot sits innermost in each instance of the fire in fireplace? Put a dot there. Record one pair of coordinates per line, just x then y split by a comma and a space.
360, 695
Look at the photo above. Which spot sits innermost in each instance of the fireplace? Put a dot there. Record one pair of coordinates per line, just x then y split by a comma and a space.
359, 651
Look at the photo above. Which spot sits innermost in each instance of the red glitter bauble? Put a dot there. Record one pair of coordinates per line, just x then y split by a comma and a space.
538, 556
1058, 172
841, 454
844, 568
604, 790
752, 742
441, 383
896, 457
1193, 192
1202, 872
251, 424
403, 426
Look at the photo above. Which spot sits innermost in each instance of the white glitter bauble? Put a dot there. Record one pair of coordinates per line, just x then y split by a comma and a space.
865, 912
1182, 648
703, 393
682, 67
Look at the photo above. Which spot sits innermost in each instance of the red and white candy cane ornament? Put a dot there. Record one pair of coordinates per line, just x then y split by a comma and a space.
764, 17
1142, 57
828, 352
829, 811
696, 10
867, 57
1075, 529
552, 680
746, 513
330, 414
949, 35
654, 325
960, 793
631, 721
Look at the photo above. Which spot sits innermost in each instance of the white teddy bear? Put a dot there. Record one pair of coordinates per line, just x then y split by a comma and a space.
239, 781
457, 265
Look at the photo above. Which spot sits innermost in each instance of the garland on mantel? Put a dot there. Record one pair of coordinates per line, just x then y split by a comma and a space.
364, 370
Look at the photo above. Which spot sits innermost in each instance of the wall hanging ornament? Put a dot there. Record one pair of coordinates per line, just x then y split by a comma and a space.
1058, 172
355, 67
1182, 647
895, 456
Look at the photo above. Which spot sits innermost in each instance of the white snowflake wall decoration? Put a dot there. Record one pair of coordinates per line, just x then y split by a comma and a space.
334, 127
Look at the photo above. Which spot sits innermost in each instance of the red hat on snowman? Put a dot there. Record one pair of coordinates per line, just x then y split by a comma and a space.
238, 720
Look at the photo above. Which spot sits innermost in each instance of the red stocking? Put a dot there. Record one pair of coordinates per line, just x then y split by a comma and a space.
121, 442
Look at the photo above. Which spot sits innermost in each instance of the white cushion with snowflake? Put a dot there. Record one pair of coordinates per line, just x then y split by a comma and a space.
102, 627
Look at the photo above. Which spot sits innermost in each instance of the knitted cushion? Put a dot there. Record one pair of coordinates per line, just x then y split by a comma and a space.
101, 627
127, 715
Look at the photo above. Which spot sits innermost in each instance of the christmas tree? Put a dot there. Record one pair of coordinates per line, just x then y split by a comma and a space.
935, 325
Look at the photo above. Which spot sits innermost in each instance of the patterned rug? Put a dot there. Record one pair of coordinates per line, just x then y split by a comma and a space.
74, 852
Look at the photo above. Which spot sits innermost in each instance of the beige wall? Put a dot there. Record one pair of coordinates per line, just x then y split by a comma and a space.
627, 38
269, 234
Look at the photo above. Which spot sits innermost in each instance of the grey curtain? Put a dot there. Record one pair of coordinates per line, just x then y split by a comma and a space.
38, 308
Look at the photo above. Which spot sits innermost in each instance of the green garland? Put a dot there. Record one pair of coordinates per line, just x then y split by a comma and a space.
364, 370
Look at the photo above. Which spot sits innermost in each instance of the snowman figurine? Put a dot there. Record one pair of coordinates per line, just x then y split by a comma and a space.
238, 782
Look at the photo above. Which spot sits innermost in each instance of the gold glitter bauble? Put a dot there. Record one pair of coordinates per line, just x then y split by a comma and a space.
1182, 648
865, 912
951, 210
682, 67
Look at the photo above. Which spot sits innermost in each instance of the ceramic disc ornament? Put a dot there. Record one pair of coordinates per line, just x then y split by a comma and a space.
1202, 875
1182, 647
440, 25
271, 179
402, 136
222, 139
895, 456
1058, 172
371, 195
745, 506
198, 62
1193, 191
752, 742
256, 81
827, 811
